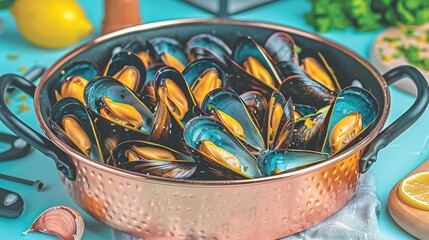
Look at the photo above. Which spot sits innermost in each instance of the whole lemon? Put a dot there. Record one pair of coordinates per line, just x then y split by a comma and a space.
51, 23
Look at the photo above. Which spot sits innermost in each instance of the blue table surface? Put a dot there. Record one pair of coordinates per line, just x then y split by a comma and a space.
395, 161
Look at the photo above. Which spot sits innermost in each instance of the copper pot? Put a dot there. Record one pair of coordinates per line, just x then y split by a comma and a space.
152, 207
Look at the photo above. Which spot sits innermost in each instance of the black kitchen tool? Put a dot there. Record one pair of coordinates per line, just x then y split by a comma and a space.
38, 185
18, 147
11, 204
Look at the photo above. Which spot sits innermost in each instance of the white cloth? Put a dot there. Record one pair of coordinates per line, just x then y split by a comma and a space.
357, 220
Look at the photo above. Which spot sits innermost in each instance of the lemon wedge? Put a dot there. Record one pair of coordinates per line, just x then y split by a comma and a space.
414, 191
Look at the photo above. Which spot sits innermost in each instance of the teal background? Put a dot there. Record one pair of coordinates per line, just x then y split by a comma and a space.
395, 161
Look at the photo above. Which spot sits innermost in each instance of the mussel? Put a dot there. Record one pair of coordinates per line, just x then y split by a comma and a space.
349, 119
153, 159
74, 78
251, 68
167, 51
279, 122
203, 76
113, 101
304, 90
229, 108
148, 94
126, 67
247, 113
206, 46
257, 105
317, 68
215, 148
73, 124
138, 48
282, 48
174, 92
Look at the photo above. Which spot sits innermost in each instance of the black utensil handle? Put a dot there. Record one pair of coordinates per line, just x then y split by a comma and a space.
25, 132
405, 120
11, 204
18, 147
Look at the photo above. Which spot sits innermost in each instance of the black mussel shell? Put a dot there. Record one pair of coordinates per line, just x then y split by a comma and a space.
349, 100
245, 47
281, 47
167, 51
207, 45
148, 94
127, 59
317, 68
153, 159
180, 102
241, 81
81, 121
229, 108
279, 123
203, 76
257, 105
102, 88
84, 69
203, 134
304, 90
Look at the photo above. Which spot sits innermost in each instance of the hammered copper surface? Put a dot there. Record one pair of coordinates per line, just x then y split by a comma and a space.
159, 210
265, 208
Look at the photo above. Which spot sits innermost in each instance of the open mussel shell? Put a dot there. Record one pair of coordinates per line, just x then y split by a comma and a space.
203, 76
153, 159
116, 103
73, 79
257, 105
73, 124
174, 91
304, 90
138, 48
242, 82
168, 51
214, 147
274, 162
317, 68
207, 45
127, 67
229, 108
279, 122
361, 107
255, 60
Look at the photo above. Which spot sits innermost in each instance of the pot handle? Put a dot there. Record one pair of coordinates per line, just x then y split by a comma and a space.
24, 131
405, 120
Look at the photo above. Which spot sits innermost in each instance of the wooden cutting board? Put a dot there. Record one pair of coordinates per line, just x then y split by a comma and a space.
384, 53
412, 220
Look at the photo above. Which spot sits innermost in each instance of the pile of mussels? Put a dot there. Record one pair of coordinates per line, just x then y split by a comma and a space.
208, 112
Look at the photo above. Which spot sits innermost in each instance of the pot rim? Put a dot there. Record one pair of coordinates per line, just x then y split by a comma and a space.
161, 180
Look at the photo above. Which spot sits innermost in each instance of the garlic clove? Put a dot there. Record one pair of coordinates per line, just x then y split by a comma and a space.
64, 222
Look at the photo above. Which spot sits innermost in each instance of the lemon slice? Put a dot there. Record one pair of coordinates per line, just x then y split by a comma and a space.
414, 191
